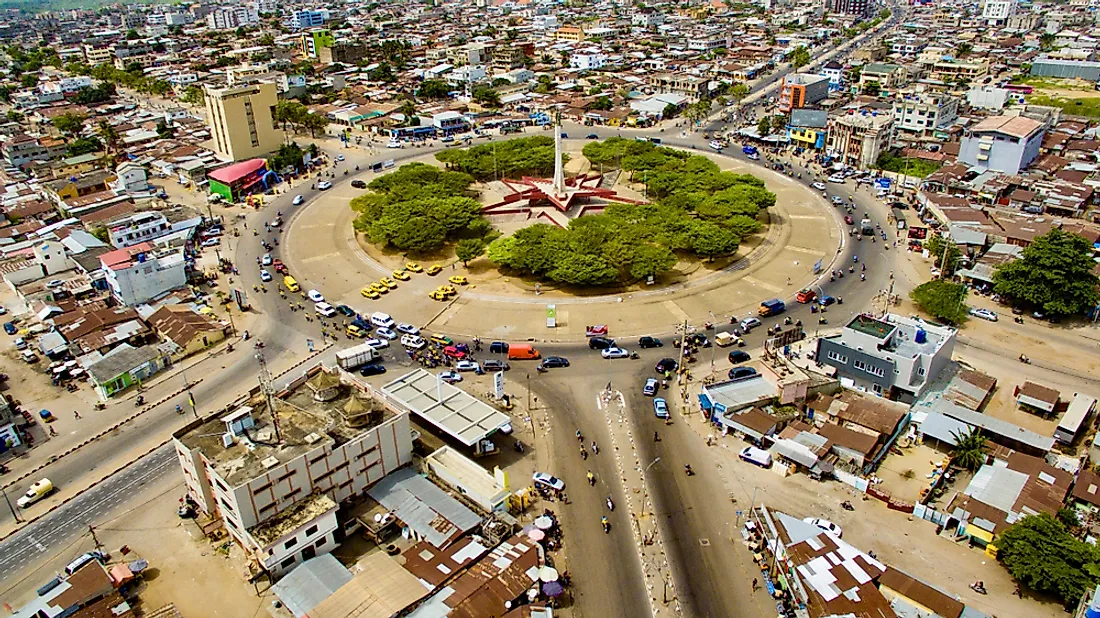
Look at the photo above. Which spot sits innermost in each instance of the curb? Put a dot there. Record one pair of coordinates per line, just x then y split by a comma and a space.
76, 495
86, 442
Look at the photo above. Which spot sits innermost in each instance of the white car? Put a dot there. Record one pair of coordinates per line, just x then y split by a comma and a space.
413, 342
385, 333
393, 144
466, 365
265, 276
315, 296
377, 344
820, 186
324, 184
276, 222
614, 352
325, 309
825, 525
984, 314
298, 200
266, 261
340, 157
212, 242
450, 377
838, 179
408, 329
546, 480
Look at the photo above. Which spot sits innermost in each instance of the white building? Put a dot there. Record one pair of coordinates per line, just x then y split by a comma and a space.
265, 6
647, 20
141, 273
137, 228
988, 98
997, 11
232, 18
277, 490
588, 59
859, 137
923, 113
544, 22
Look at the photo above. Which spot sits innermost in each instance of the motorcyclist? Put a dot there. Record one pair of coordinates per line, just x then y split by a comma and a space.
591, 478
688, 470
610, 504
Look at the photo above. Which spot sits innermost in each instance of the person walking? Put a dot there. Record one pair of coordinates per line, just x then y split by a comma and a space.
755, 584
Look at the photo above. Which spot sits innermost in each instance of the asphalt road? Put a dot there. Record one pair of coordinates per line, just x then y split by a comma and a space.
54, 532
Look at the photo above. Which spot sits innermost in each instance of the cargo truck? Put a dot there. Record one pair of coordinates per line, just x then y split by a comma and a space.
771, 307
355, 356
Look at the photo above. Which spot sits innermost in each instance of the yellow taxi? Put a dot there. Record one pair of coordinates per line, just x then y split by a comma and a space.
447, 290
378, 288
437, 295
441, 339
458, 280
434, 269
369, 293
355, 331
400, 275
389, 283
413, 267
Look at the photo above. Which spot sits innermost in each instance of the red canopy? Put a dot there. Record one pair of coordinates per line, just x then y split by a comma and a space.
231, 174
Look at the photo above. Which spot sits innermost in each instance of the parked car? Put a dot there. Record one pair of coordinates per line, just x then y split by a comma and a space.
212, 242
984, 314
741, 373
551, 362
413, 342
614, 353
649, 342
467, 365
408, 329
385, 333
495, 365
825, 525
739, 356
665, 365
451, 377
345, 310
325, 309
315, 296
660, 408
84, 559
377, 344
372, 369
650, 388
546, 480
9, 328
600, 343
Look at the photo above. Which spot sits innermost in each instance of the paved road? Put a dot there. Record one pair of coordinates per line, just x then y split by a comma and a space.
55, 531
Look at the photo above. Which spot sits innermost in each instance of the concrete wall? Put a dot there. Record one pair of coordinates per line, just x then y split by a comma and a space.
311, 539
833, 353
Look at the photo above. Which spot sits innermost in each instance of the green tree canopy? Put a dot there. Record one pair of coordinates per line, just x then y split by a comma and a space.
486, 96
969, 449
942, 300
945, 253
800, 57
528, 156
1055, 275
1040, 553
433, 89
469, 249
69, 123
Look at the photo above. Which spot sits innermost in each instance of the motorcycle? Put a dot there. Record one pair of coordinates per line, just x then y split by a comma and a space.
1025, 360
606, 525
591, 479
140, 401
978, 587
634, 355
847, 506
688, 470
610, 504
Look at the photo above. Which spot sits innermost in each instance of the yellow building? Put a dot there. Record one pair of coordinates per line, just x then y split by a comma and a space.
242, 120
569, 33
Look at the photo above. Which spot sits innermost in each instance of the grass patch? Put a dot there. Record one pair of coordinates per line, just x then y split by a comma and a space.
1052, 83
905, 165
1074, 107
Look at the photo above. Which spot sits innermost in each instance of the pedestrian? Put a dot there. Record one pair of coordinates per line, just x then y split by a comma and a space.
76, 414
656, 437
755, 584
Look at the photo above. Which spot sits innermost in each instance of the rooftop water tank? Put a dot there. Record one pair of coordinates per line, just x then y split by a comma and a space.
921, 337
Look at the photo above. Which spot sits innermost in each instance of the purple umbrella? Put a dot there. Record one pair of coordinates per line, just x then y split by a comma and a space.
552, 589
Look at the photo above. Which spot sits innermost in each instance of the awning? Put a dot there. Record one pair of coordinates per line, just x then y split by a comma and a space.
704, 401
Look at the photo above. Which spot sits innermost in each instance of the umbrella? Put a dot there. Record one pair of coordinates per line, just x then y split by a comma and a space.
536, 535
544, 523
552, 589
139, 565
548, 574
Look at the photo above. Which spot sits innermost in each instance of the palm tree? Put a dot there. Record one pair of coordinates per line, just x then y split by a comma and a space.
963, 49
108, 134
1046, 41
969, 451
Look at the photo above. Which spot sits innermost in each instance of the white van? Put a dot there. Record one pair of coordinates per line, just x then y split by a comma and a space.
757, 456
381, 320
325, 309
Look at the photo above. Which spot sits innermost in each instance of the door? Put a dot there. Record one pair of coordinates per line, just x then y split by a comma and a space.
308, 553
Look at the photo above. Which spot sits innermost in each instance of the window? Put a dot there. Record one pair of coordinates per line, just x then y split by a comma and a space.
312, 530
862, 366
838, 358
317, 458
285, 476
321, 542
290, 543
286, 564
920, 371
261, 489
267, 507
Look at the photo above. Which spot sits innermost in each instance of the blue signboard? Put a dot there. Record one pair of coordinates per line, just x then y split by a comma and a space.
883, 183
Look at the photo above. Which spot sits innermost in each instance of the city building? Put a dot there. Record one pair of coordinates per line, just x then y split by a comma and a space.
678, 83
314, 41
859, 137
275, 468
921, 114
137, 228
997, 12
306, 18
808, 127
799, 90
588, 59
834, 72
953, 71
231, 18
242, 120
893, 356
142, 273
507, 57
1066, 69
888, 76
1005, 144
857, 8
184, 331
342, 52
908, 45
569, 33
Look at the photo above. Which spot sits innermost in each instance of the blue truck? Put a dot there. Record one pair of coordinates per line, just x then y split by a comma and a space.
751, 152
771, 307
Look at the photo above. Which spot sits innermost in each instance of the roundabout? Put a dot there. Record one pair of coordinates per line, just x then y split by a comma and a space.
321, 249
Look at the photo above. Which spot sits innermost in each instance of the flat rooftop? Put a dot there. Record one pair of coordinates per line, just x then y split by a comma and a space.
906, 337
304, 511
449, 408
869, 325
305, 423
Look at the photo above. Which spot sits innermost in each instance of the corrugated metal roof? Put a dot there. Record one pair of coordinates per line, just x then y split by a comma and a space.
423, 507
997, 486
310, 583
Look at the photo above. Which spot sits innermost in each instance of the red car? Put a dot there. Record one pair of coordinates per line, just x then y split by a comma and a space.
280, 267
454, 352
849, 220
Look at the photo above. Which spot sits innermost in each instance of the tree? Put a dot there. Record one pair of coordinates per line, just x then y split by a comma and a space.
945, 253
14, 116
969, 449
739, 91
433, 89
1039, 552
164, 130
382, 73
651, 260
28, 80
132, 35
1055, 275
1046, 41
108, 134
193, 95
764, 126
83, 145
872, 88
469, 249
68, 123
800, 57
963, 49
712, 241
486, 96
941, 299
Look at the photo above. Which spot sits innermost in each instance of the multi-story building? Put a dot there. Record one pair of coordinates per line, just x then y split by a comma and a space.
887, 75
647, 20
306, 18
1066, 69
997, 12
265, 6
678, 83
808, 127
923, 113
342, 52
799, 90
177, 19
1005, 144
834, 72
506, 57
242, 120
908, 45
22, 149
470, 53
275, 469
141, 273
951, 71
232, 18
138, 228
100, 54
314, 41
569, 33
588, 59
893, 356
859, 8
859, 137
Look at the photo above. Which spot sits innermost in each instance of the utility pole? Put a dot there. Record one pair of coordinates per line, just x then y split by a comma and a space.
95, 539
11, 507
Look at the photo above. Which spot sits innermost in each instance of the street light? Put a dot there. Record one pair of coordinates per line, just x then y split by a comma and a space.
645, 492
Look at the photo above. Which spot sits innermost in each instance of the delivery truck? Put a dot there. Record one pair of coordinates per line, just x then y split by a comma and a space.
771, 307
355, 356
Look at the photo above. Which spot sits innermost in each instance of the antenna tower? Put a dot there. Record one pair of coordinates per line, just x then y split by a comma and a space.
267, 387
